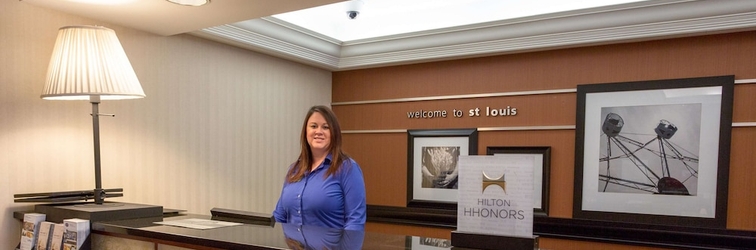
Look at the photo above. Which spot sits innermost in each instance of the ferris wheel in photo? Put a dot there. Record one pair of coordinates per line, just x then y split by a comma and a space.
647, 161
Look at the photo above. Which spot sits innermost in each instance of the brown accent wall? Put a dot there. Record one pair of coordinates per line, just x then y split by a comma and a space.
556, 69
383, 156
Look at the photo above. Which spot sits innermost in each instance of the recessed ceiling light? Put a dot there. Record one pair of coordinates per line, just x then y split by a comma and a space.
190, 2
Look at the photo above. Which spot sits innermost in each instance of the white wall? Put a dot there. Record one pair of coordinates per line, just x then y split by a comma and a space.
218, 128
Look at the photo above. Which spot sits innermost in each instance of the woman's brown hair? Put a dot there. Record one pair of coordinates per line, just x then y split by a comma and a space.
302, 165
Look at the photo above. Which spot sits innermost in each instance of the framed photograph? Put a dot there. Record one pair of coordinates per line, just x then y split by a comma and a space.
654, 152
432, 165
540, 173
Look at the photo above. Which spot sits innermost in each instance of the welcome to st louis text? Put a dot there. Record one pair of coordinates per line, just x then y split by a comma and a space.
458, 113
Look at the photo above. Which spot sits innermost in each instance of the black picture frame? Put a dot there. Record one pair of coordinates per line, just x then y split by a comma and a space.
702, 107
419, 144
543, 170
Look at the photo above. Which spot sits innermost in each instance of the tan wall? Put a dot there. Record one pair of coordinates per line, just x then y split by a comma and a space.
383, 156
218, 128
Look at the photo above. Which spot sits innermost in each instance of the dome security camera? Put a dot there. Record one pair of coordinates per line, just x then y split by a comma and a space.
352, 14
353, 8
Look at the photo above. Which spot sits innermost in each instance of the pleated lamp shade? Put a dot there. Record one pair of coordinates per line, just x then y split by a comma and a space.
88, 63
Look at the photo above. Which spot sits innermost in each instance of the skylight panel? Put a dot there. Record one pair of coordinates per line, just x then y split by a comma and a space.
378, 18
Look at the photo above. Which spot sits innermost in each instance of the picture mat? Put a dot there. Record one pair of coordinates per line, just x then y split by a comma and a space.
537, 177
702, 205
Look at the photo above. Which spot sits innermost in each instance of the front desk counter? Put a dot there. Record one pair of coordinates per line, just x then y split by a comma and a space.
145, 234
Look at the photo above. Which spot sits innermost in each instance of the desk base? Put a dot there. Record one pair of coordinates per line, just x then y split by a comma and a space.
482, 241
107, 211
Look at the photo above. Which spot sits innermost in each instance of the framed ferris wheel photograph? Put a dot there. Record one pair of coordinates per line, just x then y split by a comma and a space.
654, 152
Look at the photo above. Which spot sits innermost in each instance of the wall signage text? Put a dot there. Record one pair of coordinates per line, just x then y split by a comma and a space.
459, 113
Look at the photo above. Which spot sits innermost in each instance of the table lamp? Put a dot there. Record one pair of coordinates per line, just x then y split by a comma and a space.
88, 63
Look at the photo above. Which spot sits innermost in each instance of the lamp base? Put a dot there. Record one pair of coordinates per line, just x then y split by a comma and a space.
107, 211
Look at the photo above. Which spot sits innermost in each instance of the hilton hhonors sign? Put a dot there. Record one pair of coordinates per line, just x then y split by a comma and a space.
496, 195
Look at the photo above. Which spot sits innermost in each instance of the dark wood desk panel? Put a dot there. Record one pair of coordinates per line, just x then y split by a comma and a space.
249, 236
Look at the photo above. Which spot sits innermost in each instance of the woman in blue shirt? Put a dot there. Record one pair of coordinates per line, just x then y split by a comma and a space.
324, 187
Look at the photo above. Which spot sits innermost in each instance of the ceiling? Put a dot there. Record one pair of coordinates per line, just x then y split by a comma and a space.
376, 18
248, 24
164, 18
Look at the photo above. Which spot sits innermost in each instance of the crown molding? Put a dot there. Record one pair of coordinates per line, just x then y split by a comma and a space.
256, 41
615, 24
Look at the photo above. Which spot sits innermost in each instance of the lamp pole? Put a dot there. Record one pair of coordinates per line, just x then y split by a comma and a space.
98, 192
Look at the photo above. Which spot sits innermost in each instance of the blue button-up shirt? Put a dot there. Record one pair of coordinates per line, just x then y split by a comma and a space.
336, 201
